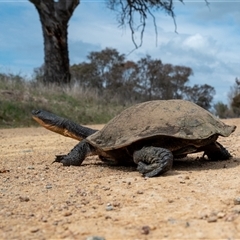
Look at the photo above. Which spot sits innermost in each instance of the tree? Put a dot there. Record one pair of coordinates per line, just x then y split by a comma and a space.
102, 71
107, 72
54, 17
162, 81
202, 95
148, 73
107, 63
38, 74
234, 96
147, 79
55, 14
87, 75
221, 110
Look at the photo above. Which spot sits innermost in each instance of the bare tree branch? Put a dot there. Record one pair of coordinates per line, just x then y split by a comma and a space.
128, 9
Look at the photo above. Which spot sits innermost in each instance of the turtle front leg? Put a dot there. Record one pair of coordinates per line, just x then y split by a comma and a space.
76, 156
153, 161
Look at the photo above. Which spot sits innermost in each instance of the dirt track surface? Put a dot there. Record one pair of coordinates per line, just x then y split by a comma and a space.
39, 200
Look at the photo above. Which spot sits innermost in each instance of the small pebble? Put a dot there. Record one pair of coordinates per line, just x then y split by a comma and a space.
44, 220
172, 220
28, 150
24, 199
48, 186
139, 192
221, 215
30, 167
187, 224
116, 204
230, 217
66, 214
236, 210
4, 170
33, 230
237, 201
212, 219
145, 230
109, 207
95, 238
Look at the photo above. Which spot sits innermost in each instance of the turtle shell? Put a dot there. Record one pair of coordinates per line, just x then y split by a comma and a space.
174, 118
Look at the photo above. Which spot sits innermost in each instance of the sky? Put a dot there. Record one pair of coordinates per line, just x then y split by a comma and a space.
207, 38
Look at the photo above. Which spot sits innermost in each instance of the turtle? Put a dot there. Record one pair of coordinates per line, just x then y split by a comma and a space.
149, 135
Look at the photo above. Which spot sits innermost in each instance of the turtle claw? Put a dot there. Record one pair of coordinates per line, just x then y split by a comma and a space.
58, 158
148, 170
62, 159
152, 169
141, 167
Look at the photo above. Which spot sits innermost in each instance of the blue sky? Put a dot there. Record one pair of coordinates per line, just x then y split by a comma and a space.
207, 38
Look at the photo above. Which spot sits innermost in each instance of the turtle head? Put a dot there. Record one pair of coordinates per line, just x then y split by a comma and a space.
49, 121
61, 125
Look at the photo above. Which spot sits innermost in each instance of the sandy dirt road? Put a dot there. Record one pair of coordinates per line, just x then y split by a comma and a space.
39, 200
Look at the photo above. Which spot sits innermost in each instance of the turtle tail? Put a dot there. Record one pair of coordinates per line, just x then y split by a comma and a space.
61, 125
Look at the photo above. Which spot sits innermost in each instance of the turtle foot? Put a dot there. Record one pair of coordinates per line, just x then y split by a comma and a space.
153, 161
66, 161
76, 156
217, 152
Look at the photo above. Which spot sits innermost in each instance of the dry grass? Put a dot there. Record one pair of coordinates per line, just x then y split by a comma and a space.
18, 97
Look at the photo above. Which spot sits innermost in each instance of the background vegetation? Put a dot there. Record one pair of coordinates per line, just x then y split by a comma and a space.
102, 87
19, 97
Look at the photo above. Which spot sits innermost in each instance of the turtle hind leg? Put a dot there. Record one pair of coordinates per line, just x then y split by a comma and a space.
215, 151
76, 156
153, 161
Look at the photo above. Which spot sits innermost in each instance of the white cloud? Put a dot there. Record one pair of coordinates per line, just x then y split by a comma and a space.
196, 42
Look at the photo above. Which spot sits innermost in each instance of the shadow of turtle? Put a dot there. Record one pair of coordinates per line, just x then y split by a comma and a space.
200, 163
184, 164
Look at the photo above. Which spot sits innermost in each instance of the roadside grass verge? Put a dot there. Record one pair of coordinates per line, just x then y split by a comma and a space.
18, 97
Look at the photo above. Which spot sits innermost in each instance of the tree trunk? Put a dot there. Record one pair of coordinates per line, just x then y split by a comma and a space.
54, 17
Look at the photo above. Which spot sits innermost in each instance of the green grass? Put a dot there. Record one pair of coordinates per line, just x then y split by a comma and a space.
19, 97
